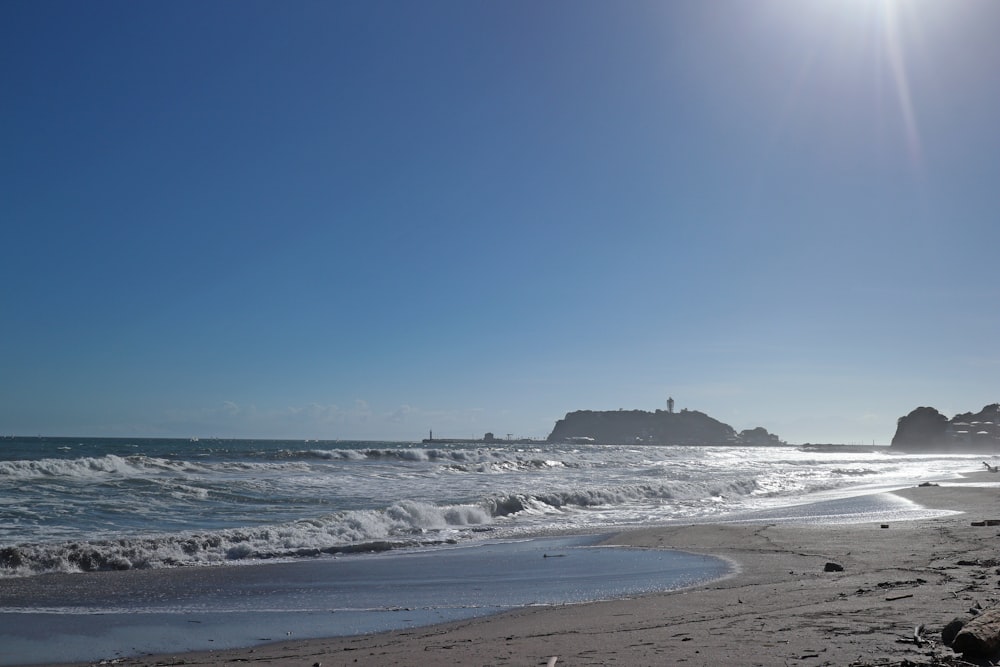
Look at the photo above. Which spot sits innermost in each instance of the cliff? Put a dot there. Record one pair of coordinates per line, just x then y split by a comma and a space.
926, 429
688, 427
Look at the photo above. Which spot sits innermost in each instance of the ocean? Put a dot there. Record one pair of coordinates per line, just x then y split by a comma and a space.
113, 548
71, 505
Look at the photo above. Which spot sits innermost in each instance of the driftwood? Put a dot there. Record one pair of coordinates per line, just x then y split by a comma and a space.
980, 637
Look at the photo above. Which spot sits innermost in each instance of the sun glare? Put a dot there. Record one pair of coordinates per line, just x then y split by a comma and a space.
894, 50
850, 49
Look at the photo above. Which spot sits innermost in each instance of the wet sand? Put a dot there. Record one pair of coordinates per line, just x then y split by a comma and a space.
779, 608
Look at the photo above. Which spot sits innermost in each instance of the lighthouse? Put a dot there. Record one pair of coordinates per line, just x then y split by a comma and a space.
670, 405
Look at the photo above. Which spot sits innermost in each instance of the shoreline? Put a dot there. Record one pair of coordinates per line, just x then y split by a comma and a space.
779, 607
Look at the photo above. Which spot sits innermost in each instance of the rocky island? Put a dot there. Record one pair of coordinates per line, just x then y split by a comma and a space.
662, 427
640, 427
926, 429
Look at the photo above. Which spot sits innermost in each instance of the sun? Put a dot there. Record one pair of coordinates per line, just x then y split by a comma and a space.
857, 56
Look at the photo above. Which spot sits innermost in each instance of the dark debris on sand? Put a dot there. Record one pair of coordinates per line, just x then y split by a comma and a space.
931, 661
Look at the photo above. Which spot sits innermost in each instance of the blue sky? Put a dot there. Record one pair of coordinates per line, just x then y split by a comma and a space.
365, 220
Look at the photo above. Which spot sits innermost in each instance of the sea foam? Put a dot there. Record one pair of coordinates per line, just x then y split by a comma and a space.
93, 504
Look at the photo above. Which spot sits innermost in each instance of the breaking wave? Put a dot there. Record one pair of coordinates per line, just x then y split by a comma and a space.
93, 467
135, 466
90, 504
403, 524
513, 504
457, 460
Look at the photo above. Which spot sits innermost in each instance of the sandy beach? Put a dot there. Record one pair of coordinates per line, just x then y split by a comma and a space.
780, 607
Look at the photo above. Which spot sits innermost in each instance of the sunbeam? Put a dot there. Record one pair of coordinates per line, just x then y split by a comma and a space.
895, 54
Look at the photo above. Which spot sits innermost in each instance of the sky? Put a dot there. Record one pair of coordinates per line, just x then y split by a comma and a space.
367, 220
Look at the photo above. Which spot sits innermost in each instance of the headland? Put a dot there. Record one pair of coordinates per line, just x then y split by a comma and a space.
617, 427
926, 429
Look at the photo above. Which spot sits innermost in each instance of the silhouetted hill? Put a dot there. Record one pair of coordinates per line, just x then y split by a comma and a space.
926, 429
687, 427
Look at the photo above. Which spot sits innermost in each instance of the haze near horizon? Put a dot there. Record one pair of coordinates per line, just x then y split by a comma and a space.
366, 220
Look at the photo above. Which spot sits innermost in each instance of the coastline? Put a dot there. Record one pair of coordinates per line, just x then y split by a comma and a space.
780, 606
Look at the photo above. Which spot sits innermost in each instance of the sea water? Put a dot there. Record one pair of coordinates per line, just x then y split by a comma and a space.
117, 547
90, 617
76, 505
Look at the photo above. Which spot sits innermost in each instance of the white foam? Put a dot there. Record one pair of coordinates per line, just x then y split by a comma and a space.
251, 502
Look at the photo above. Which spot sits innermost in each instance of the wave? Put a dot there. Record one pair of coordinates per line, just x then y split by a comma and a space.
93, 467
135, 466
113, 465
512, 504
122, 510
406, 454
855, 472
403, 524
457, 460
407, 523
